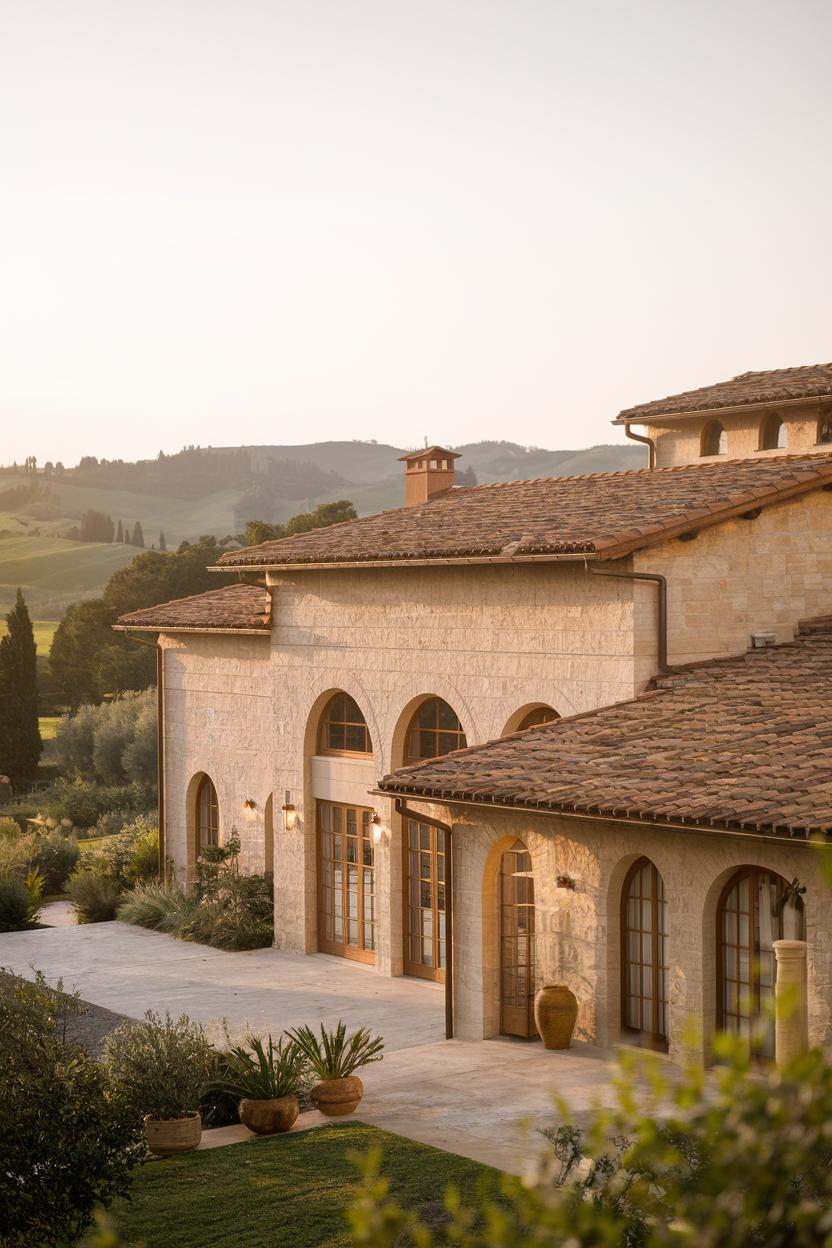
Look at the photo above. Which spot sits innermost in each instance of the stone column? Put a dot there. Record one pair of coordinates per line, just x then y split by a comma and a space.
791, 1027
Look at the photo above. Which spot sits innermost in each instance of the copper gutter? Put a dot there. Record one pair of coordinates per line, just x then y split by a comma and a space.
160, 740
661, 604
404, 810
648, 442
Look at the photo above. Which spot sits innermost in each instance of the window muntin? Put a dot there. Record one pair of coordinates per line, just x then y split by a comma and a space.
537, 717
772, 433
751, 915
714, 439
644, 972
207, 815
346, 898
425, 860
517, 943
434, 730
343, 728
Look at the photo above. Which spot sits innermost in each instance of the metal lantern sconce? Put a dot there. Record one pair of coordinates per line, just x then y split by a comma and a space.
377, 831
567, 882
289, 813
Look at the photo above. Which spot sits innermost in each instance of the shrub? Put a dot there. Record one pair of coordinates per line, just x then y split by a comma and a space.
95, 897
65, 1145
9, 828
18, 904
72, 747
160, 905
112, 822
263, 1071
115, 742
130, 856
160, 1067
84, 802
335, 1056
16, 854
235, 911
56, 856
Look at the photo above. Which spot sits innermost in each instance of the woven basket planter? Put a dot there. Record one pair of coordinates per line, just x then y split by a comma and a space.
165, 1136
269, 1117
337, 1097
555, 1012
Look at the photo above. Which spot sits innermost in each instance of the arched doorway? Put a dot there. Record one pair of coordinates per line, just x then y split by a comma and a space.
754, 911
643, 959
517, 933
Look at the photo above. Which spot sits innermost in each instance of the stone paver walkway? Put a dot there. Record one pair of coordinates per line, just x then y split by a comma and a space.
483, 1100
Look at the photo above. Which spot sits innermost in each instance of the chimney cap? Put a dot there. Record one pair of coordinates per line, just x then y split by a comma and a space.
427, 452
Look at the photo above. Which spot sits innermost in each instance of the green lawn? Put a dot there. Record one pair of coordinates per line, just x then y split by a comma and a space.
53, 572
48, 725
285, 1190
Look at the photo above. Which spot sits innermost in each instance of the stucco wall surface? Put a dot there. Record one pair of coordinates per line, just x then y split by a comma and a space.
679, 442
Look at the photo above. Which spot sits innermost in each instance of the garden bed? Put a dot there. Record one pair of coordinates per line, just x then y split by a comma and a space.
290, 1190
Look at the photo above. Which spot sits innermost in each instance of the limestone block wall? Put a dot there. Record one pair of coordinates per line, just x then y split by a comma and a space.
737, 578
679, 442
578, 933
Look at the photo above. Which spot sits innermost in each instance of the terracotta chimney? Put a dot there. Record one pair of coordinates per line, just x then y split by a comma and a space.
427, 473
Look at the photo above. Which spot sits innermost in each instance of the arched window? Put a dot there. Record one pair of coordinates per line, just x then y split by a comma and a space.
207, 815
343, 728
772, 433
537, 716
714, 439
643, 961
434, 730
753, 912
825, 426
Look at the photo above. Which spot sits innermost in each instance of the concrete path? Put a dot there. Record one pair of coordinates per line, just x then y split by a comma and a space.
483, 1100
58, 914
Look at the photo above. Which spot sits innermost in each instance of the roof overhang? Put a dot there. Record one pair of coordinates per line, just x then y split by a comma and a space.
174, 628
643, 418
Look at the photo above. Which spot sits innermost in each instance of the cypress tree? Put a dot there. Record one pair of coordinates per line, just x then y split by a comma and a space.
138, 536
162, 542
20, 743
120, 532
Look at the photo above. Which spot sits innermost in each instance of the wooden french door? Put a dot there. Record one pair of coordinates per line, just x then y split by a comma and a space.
517, 928
643, 960
425, 901
346, 904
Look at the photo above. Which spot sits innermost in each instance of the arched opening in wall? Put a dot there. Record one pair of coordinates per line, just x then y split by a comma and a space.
434, 729
343, 728
517, 940
268, 840
714, 440
206, 815
825, 426
644, 969
533, 716
754, 909
772, 433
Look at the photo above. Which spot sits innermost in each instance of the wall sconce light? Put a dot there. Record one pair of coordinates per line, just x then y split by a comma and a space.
377, 829
566, 881
289, 813
250, 803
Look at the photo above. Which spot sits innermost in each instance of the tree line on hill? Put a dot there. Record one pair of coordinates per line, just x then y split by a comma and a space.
95, 526
89, 661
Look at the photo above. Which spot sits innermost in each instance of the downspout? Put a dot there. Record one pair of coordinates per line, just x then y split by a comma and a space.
661, 585
160, 740
404, 810
648, 442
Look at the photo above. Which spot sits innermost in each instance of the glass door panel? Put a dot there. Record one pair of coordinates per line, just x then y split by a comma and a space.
346, 911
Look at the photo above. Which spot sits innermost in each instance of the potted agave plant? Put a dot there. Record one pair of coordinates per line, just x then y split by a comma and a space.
160, 1068
334, 1057
267, 1077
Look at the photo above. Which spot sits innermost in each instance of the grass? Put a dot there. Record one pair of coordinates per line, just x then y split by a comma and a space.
49, 726
44, 631
91, 842
53, 572
290, 1189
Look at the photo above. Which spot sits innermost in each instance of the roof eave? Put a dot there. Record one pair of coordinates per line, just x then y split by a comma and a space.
634, 417
176, 628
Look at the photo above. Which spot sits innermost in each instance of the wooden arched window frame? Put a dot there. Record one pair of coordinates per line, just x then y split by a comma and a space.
207, 815
825, 426
643, 955
434, 730
343, 728
536, 717
714, 440
772, 433
752, 913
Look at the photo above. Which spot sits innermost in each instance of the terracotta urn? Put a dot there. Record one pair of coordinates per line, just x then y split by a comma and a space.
268, 1117
555, 1012
337, 1097
165, 1136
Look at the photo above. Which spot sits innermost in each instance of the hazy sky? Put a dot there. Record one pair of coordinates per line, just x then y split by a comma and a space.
229, 221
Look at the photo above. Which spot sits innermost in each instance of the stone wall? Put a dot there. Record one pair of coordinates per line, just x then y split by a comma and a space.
679, 442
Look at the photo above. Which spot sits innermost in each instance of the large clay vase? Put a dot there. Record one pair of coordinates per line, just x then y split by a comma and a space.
555, 1012
268, 1117
166, 1136
337, 1097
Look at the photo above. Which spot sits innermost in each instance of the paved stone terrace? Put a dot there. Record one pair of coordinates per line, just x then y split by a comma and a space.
483, 1100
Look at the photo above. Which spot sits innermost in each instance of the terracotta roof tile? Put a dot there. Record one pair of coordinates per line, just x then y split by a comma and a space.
232, 608
742, 743
604, 514
778, 384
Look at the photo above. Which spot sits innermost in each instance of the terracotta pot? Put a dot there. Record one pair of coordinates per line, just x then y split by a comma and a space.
165, 1136
337, 1097
269, 1117
555, 1012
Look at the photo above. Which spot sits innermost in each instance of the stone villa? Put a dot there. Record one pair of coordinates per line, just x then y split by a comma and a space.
569, 730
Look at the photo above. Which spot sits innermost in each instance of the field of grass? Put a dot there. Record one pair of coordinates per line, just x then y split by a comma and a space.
53, 572
289, 1190
48, 725
44, 631
180, 519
